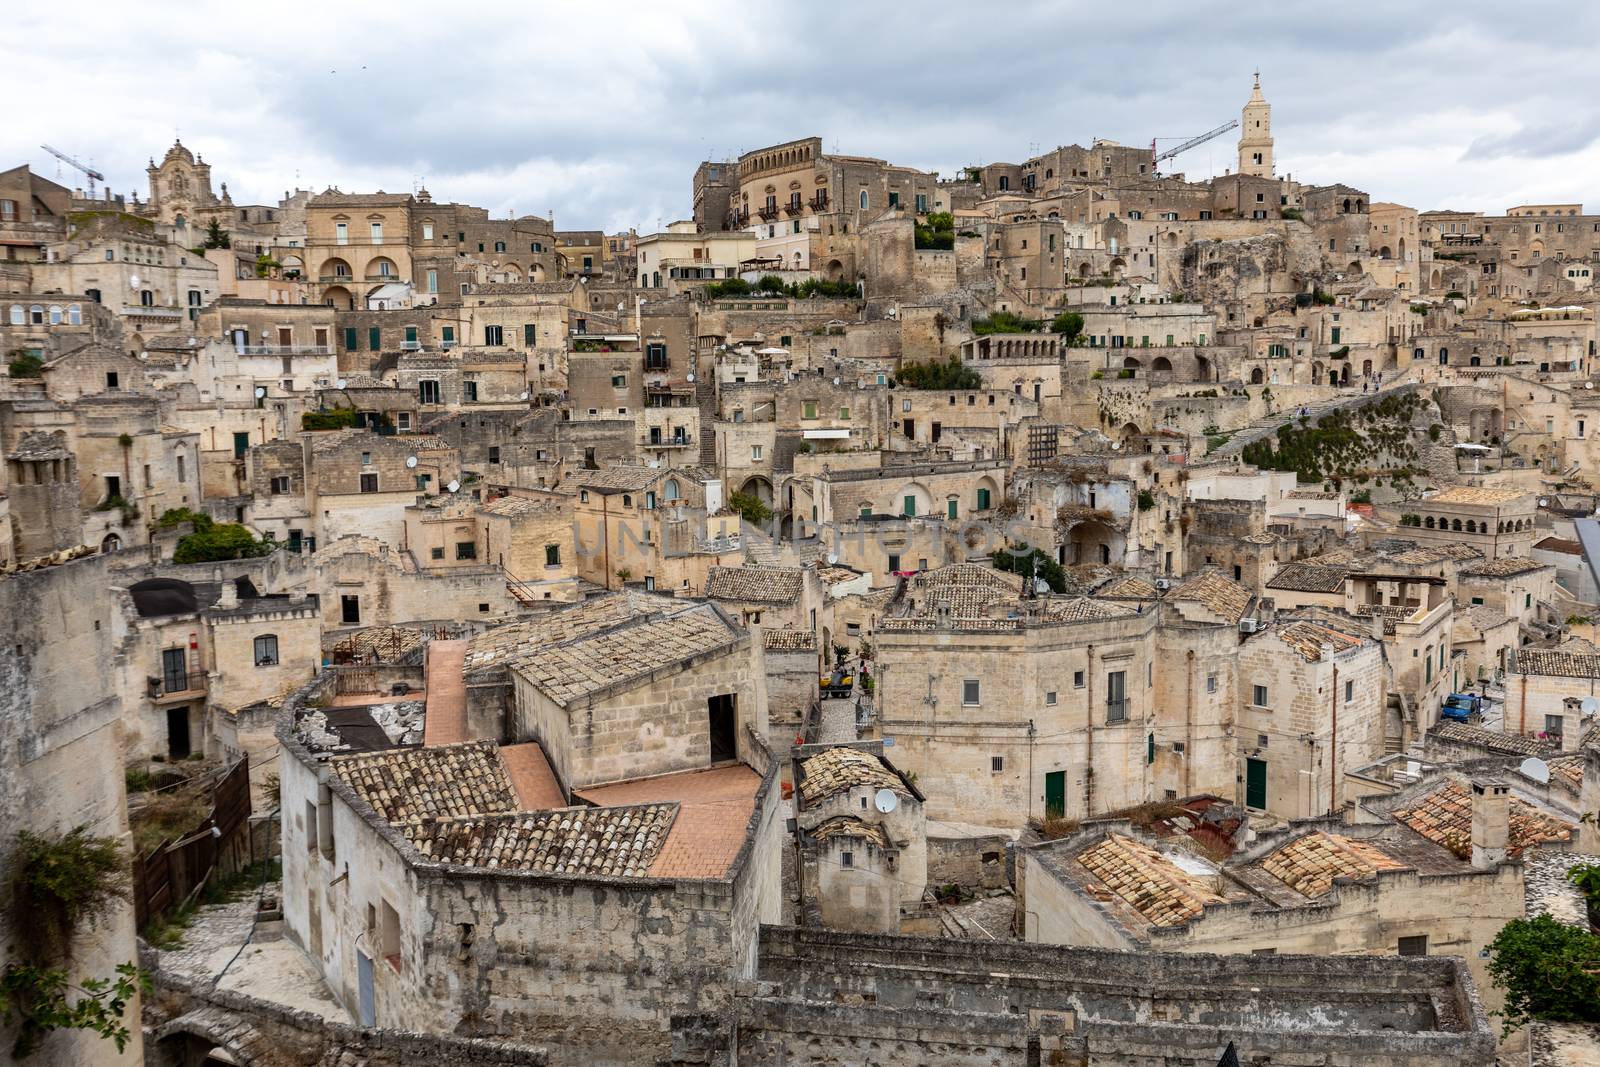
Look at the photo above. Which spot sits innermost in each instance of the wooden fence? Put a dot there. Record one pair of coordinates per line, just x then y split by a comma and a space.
175, 871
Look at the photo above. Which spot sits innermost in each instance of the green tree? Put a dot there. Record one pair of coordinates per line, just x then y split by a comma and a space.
1069, 324
1549, 971
751, 508
216, 236
1029, 562
771, 283
219, 541
937, 231
37, 998
26, 365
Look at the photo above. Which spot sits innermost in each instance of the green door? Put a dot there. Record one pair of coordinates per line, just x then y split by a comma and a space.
1055, 794
241, 443
1255, 783
911, 507
952, 509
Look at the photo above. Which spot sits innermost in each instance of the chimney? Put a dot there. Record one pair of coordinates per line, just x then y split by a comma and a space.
1491, 822
230, 594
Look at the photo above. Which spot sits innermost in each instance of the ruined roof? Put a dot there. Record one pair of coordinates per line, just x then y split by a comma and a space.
407, 785
1219, 594
789, 640
1128, 587
1472, 494
1163, 893
849, 826
620, 842
1504, 567
1444, 816
1309, 864
1309, 578
767, 585
839, 770
1311, 640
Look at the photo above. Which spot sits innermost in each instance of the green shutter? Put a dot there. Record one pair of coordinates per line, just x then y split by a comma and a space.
350, 338
374, 338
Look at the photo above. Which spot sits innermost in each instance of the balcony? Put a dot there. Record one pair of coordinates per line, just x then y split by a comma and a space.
819, 202
175, 688
411, 346
283, 350
1117, 710
794, 208
768, 214
675, 441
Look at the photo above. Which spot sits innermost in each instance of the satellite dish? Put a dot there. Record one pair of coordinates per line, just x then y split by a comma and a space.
691, 376
524, 395
133, 281
454, 485
1588, 705
836, 381
886, 801
621, 306
1544, 502
1588, 385
261, 390
411, 461
1116, 446
833, 557
1535, 768
340, 383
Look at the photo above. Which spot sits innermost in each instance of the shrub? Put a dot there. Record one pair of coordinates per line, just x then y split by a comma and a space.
727, 287
1021, 559
336, 419
1005, 322
1549, 971
1434, 431
1292, 213
61, 883
936, 232
1069, 324
1147, 500
770, 283
952, 374
751, 508
26, 365
218, 541
38, 998
1361, 496
1125, 372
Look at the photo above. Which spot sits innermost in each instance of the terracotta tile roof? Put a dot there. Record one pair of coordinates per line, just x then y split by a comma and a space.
1219, 594
1444, 816
714, 811
531, 777
584, 665
1334, 557
1309, 864
618, 479
1555, 662
1460, 552
519, 506
511, 644
408, 785
1308, 577
1311, 640
1470, 494
789, 640
1158, 889
1504, 567
967, 588
621, 842
1084, 609
849, 826
766, 585
1128, 587
446, 723
1260, 539
1559, 544
839, 770
1416, 557
1568, 771
1491, 740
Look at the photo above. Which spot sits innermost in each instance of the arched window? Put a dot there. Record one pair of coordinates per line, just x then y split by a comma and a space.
863, 200
627, 501
74, 315
55, 314
1455, 524
1428, 522
499, 246
36, 315
18, 316
670, 490
1472, 526
267, 650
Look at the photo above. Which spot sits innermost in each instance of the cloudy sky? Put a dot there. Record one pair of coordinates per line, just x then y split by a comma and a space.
599, 111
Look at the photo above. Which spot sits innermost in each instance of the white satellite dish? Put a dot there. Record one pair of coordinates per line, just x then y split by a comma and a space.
886, 801
836, 381
1588, 385
340, 383
833, 557
1535, 768
453, 486
524, 395
691, 376
1116, 446
411, 461
133, 281
1543, 502
1588, 705
261, 390
622, 307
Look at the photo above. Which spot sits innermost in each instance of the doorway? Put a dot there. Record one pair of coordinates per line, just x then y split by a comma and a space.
1255, 783
723, 722
350, 609
179, 744
174, 670
1055, 794
369, 1010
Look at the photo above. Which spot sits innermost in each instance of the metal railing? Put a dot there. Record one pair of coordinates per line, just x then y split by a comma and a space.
1117, 710
168, 685
283, 350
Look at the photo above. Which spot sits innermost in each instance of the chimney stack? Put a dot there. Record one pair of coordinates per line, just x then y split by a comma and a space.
1491, 822
230, 594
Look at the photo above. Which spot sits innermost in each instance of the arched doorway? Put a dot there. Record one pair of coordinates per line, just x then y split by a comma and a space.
111, 543
1256, 376
758, 487
337, 296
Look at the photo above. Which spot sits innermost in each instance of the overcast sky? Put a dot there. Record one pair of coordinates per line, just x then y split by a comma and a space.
601, 110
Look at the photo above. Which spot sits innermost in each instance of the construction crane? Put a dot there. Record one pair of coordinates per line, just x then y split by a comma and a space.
92, 174
1193, 142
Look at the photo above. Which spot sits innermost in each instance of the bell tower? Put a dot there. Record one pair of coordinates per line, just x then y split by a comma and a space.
1255, 136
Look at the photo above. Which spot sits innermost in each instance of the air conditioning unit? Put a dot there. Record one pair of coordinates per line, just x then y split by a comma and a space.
1164, 583
1249, 626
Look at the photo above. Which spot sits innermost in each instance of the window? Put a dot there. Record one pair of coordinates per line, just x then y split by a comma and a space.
1258, 696
997, 764
427, 231
267, 650
369, 483
350, 338
427, 391
433, 281
111, 379
969, 692
552, 555
1050, 699
341, 233
619, 381
1554, 726
530, 334
1211, 683
1117, 697
1349, 691
377, 233
863, 200
375, 338
437, 551
466, 550
469, 390
1077, 679
389, 936
280, 484
808, 409
847, 859
1413, 946
755, 453
494, 335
